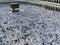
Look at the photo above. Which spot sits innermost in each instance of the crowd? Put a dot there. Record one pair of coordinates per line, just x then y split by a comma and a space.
32, 25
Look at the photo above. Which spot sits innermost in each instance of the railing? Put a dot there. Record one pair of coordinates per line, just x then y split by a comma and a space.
55, 1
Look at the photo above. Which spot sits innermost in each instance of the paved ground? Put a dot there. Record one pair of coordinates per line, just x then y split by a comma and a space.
32, 25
